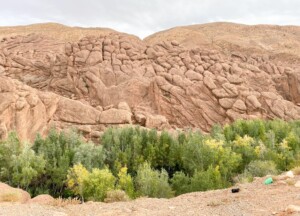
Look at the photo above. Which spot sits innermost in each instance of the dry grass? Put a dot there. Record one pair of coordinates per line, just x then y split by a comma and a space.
61, 202
214, 203
116, 196
290, 182
10, 197
296, 170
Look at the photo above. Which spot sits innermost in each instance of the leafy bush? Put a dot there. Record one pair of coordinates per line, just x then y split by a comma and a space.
76, 178
245, 177
61, 151
89, 155
98, 183
153, 183
207, 180
125, 182
142, 162
180, 183
259, 168
19, 165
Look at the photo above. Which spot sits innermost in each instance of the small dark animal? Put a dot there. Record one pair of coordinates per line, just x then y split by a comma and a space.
235, 190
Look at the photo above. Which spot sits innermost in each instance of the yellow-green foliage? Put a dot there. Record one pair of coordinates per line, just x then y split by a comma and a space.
76, 178
190, 161
125, 182
90, 185
98, 183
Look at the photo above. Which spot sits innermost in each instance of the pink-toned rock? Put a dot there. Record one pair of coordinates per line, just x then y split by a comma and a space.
156, 121
115, 116
94, 82
43, 199
10, 194
239, 106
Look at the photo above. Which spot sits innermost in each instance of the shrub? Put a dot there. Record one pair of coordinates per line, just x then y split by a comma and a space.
77, 175
89, 155
19, 165
153, 183
180, 183
259, 168
61, 151
63, 164
116, 196
58, 151
98, 183
125, 182
207, 180
26, 167
245, 177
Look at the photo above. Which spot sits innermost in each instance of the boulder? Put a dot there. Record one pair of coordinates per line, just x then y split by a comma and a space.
10, 194
115, 116
124, 106
293, 208
43, 199
239, 106
76, 112
297, 184
156, 121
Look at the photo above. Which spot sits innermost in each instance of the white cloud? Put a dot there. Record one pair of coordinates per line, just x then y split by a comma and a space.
143, 17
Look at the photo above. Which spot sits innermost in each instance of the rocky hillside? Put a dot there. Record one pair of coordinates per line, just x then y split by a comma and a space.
51, 78
280, 42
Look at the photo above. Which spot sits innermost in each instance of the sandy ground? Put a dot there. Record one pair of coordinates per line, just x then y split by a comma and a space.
253, 199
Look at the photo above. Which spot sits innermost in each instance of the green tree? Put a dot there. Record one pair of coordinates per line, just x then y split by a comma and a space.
181, 183
89, 155
153, 183
207, 180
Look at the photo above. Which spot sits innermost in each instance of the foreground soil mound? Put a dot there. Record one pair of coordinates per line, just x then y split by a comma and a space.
109, 78
280, 198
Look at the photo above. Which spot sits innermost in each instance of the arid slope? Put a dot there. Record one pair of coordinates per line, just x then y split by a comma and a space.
253, 199
179, 78
282, 42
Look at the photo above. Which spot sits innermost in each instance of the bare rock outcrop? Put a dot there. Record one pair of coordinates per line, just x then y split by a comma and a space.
117, 79
10, 194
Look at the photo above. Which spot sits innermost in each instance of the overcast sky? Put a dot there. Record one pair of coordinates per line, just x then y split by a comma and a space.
144, 17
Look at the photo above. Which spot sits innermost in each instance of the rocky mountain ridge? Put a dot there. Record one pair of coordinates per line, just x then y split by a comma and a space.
110, 78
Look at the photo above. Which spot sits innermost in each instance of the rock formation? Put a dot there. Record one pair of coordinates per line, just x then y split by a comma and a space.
10, 194
118, 79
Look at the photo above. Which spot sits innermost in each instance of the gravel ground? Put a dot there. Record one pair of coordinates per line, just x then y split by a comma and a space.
253, 199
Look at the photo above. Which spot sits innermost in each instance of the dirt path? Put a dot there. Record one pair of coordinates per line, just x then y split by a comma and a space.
253, 199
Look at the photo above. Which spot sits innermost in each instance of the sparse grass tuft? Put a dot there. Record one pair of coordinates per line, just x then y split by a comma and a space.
61, 202
10, 197
116, 196
296, 170
214, 203
290, 182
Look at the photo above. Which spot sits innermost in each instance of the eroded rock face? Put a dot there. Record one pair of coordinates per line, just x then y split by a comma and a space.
118, 79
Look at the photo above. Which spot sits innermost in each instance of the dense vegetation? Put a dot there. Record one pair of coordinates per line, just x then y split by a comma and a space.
139, 162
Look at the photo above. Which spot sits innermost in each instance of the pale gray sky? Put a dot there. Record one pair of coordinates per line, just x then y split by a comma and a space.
144, 17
